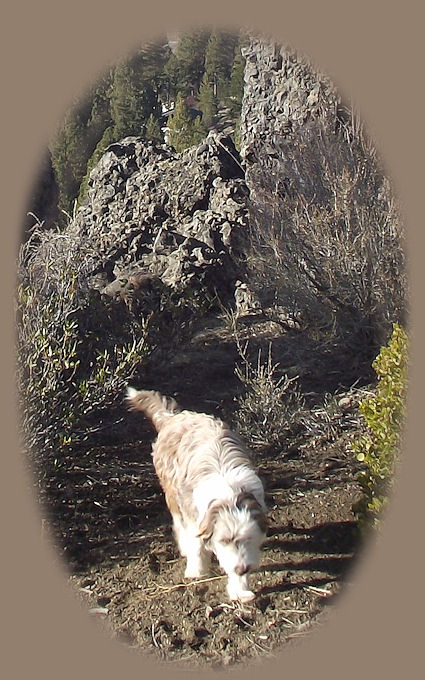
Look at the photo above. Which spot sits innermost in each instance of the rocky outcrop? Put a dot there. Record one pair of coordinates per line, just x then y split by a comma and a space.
282, 93
179, 218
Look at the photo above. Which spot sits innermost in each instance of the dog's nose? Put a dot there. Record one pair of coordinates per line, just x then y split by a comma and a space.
242, 569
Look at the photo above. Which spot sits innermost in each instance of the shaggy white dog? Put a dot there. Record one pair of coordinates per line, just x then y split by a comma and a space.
212, 491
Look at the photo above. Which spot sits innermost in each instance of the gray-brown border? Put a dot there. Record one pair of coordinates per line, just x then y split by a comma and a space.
50, 51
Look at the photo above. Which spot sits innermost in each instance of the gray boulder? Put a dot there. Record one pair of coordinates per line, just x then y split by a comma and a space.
180, 218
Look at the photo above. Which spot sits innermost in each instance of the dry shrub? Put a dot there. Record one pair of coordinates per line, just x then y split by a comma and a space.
75, 353
78, 349
326, 236
272, 405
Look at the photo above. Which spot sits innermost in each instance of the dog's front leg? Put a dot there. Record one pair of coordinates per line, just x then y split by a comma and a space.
237, 588
193, 548
198, 559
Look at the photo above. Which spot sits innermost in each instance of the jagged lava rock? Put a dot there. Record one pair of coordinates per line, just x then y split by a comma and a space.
282, 93
179, 217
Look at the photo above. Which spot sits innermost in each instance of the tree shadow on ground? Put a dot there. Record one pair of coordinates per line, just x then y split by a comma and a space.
104, 502
329, 537
327, 549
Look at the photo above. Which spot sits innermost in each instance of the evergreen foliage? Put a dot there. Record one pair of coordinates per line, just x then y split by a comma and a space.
153, 132
384, 414
207, 102
180, 125
219, 56
150, 63
237, 81
100, 113
132, 101
199, 131
68, 161
127, 101
173, 77
108, 138
190, 55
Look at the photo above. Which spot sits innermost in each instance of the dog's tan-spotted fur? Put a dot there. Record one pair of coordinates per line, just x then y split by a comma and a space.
211, 489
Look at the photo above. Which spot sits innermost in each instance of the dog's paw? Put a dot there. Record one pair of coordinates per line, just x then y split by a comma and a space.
194, 572
241, 595
246, 596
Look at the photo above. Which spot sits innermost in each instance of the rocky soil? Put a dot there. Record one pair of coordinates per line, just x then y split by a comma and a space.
106, 511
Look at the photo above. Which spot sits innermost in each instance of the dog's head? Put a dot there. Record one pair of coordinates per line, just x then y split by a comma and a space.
235, 532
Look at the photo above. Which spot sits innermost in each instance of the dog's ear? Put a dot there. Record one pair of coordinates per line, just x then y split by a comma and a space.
206, 527
262, 521
246, 499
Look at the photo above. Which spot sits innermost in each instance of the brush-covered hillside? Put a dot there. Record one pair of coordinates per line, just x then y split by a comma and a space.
212, 222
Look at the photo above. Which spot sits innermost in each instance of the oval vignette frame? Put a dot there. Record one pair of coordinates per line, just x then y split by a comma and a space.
48, 630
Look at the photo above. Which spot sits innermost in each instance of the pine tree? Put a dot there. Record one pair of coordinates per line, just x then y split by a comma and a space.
199, 131
207, 103
150, 63
153, 132
190, 54
125, 101
133, 100
219, 57
69, 159
107, 138
173, 78
236, 86
180, 125
100, 113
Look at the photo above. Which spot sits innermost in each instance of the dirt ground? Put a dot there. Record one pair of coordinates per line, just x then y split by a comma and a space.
106, 512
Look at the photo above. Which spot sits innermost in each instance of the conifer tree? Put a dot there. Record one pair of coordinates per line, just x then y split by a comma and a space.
199, 131
153, 132
69, 159
236, 86
132, 101
107, 138
173, 78
100, 113
219, 57
125, 109
150, 63
180, 125
190, 54
207, 102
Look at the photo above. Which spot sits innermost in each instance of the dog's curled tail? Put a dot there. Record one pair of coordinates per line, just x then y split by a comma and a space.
155, 406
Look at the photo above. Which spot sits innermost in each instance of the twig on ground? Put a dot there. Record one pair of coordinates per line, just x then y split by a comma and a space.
153, 636
168, 589
320, 591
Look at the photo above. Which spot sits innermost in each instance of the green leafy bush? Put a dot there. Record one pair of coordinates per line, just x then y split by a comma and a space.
75, 352
384, 415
